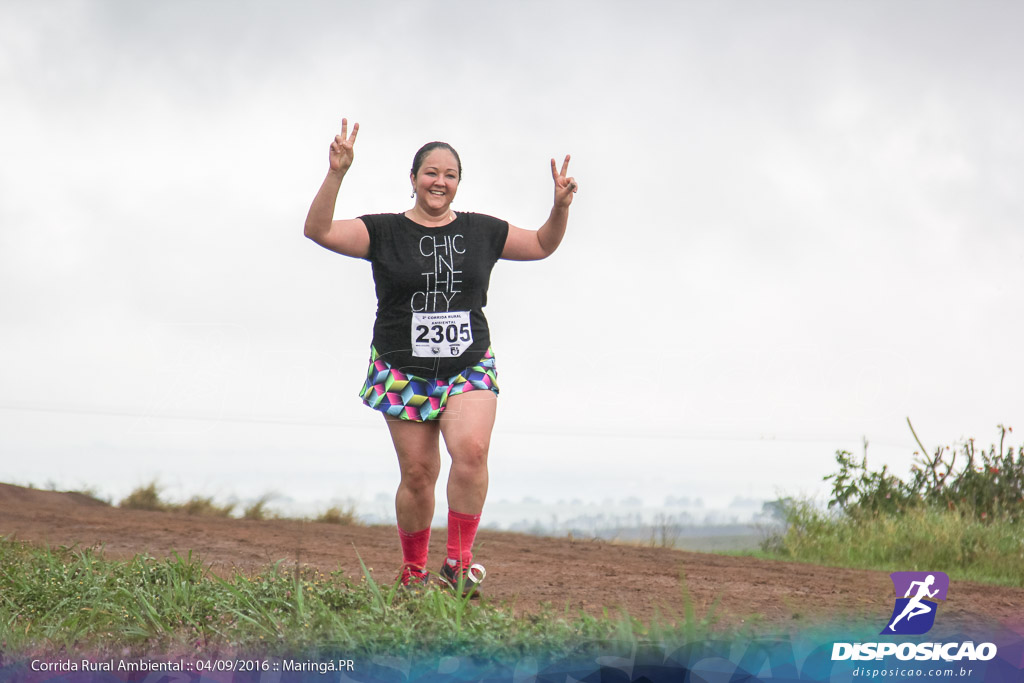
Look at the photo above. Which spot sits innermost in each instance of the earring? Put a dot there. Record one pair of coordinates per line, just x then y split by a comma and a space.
413, 194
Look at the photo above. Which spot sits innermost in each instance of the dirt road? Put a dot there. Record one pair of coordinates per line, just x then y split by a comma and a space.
522, 571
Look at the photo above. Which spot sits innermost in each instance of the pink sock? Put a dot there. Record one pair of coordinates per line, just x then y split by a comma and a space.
415, 547
461, 534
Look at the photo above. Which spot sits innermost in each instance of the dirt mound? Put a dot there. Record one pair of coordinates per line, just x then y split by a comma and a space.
17, 495
522, 571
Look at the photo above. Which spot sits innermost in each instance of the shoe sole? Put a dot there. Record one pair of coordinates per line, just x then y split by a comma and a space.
470, 588
473, 593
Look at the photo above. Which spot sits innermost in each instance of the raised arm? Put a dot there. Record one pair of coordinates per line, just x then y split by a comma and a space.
533, 245
348, 237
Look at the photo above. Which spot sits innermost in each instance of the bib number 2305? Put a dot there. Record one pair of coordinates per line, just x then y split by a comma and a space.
441, 334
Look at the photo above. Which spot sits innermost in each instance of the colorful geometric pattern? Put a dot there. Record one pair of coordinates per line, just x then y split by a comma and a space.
409, 397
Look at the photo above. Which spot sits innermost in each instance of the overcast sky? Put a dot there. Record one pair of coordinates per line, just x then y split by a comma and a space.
798, 223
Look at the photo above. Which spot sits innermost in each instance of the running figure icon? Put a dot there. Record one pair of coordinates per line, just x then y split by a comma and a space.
916, 606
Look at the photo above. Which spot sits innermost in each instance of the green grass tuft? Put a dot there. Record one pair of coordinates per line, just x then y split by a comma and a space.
144, 498
205, 507
919, 539
336, 515
55, 602
258, 509
149, 498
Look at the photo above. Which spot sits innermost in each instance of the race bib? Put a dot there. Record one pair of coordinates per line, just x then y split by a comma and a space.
441, 335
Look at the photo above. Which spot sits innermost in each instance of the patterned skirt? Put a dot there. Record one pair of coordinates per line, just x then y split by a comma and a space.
409, 397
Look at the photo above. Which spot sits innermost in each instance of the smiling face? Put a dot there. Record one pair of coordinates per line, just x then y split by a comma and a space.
436, 181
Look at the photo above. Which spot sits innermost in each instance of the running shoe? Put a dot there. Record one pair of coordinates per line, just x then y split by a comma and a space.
463, 580
414, 579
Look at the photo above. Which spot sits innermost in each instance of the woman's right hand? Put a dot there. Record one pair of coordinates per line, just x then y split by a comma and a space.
342, 154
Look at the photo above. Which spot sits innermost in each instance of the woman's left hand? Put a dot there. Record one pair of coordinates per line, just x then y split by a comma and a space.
565, 186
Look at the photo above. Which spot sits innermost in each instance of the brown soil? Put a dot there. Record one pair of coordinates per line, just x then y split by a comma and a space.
522, 571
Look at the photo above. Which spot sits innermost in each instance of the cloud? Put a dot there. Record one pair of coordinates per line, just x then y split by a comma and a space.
810, 214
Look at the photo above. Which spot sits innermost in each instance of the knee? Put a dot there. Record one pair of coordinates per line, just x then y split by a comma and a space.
469, 453
419, 478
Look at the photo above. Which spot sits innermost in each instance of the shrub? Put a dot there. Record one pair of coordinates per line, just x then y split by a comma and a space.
986, 484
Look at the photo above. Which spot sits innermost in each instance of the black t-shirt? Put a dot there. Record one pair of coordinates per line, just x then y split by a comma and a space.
431, 289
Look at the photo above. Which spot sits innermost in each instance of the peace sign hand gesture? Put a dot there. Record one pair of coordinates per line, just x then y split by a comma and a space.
565, 186
342, 154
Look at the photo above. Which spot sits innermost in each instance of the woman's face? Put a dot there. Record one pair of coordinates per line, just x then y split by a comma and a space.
437, 180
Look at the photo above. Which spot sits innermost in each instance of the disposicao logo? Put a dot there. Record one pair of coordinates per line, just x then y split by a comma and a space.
914, 613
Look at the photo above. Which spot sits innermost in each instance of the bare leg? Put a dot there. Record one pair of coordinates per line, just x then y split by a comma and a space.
419, 460
466, 425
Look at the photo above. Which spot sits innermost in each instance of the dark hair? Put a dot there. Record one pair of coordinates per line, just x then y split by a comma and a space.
426, 149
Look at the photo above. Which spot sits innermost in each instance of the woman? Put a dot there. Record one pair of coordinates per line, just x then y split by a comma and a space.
432, 373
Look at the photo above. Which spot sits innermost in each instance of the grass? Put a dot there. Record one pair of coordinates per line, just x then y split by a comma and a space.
144, 498
204, 506
258, 509
919, 539
56, 602
149, 497
338, 515
960, 511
